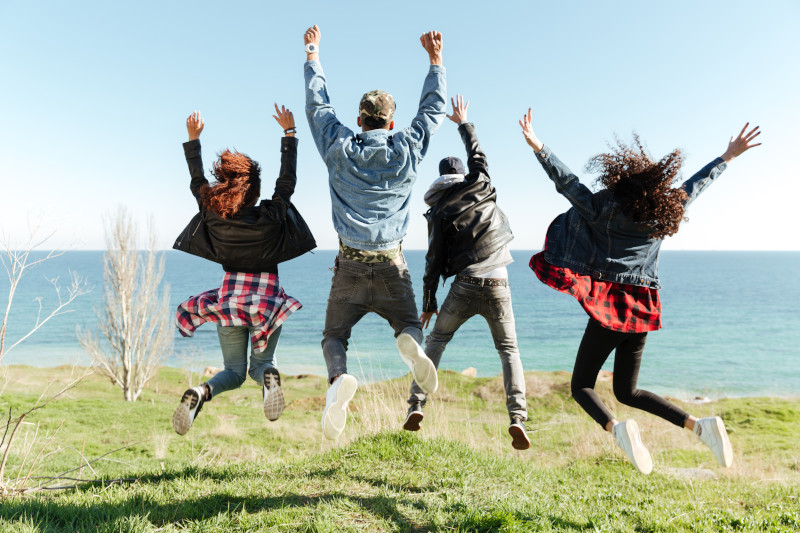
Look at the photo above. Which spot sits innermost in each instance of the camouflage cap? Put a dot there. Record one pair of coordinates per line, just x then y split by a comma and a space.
378, 106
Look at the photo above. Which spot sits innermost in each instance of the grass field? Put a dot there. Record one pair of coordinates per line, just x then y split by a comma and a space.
235, 471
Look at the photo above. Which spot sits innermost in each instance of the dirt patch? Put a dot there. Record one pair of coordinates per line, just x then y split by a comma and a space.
312, 403
491, 390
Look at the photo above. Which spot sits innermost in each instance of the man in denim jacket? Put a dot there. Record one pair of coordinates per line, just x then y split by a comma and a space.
370, 176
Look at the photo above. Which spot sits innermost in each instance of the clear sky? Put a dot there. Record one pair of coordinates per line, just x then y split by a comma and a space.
95, 94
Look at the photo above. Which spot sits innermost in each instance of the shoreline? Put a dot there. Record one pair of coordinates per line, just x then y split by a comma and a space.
605, 376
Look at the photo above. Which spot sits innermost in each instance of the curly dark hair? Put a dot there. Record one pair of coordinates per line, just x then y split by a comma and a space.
238, 184
643, 187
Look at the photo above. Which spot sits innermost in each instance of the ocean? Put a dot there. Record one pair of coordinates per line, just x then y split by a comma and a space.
731, 326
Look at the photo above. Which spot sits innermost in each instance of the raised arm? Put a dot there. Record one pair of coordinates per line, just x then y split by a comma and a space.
287, 178
191, 149
433, 102
566, 182
325, 126
736, 147
476, 159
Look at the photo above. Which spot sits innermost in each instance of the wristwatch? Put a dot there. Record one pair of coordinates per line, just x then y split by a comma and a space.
312, 48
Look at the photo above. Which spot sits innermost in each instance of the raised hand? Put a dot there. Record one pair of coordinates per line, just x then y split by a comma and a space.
194, 125
527, 132
285, 119
742, 143
459, 109
312, 35
432, 43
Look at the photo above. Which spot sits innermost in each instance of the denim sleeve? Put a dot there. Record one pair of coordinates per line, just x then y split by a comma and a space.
431, 112
702, 179
325, 127
194, 159
567, 183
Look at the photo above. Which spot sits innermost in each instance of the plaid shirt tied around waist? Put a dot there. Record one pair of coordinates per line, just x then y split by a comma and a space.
244, 299
617, 306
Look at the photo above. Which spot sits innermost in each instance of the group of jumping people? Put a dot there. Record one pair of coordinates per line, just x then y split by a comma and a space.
603, 251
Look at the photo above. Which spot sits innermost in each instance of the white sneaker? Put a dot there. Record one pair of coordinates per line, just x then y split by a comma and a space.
627, 436
422, 368
338, 396
191, 404
712, 432
273, 394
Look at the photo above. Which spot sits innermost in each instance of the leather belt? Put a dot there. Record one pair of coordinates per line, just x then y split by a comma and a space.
483, 282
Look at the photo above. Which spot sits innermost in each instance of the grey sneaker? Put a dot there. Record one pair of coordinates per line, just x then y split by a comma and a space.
712, 432
191, 404
519, 434
414, 417
273, 394
627, 436
422, 368
338, 396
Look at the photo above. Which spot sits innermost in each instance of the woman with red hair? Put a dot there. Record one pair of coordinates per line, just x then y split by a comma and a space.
604, 252
250, 303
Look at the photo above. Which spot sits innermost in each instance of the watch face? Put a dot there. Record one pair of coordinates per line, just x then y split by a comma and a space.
311, 48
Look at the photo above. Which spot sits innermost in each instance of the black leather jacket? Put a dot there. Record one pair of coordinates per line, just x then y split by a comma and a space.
243, 237
465, 226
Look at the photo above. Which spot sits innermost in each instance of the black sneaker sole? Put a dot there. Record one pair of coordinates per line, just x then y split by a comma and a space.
275, 402
413, 420
520, 440
182, 418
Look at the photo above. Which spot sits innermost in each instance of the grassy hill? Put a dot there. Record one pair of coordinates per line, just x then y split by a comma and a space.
235, 471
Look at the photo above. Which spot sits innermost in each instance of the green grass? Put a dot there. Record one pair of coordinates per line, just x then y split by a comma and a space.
234, 471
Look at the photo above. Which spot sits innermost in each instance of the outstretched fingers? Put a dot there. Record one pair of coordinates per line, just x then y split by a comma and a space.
526, 122
284, 117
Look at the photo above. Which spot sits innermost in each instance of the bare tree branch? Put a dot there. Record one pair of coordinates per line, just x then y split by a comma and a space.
134, 326
17, 261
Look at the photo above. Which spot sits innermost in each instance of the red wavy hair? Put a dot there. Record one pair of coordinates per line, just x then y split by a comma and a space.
238, 184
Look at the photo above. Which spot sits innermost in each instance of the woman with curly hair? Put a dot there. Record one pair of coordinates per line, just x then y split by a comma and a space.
250, 303
604, 252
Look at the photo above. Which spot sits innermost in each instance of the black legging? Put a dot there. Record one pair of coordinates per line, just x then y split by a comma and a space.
596, 346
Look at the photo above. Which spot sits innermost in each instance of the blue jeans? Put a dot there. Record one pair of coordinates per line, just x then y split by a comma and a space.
233, 342
359, 288
494, 304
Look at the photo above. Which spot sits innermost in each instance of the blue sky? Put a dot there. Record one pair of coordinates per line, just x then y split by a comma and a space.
95, 95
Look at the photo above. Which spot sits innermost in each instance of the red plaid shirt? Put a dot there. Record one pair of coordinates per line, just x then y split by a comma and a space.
242, 300
617, 306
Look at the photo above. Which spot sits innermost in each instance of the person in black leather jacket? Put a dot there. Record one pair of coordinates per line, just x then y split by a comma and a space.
468, 237
250, 304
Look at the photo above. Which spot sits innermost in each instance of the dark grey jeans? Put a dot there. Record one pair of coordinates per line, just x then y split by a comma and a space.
494, 304
360, 288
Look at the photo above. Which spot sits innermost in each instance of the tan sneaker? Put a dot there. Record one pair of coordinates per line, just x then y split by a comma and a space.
519, 434
191, 404
273, 394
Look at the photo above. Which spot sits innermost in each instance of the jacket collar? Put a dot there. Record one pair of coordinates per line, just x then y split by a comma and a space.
377, 137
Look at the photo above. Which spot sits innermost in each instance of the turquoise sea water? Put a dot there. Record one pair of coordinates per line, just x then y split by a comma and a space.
731, 326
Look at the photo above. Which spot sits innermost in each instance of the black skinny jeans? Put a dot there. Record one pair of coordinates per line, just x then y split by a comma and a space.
596, 346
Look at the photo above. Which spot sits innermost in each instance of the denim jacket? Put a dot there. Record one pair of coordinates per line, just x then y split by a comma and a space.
596, 239
371, 173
